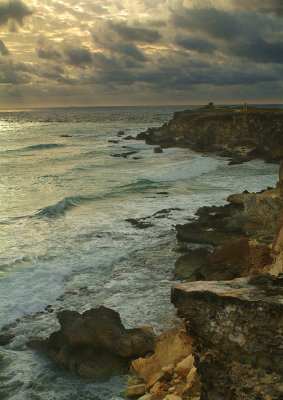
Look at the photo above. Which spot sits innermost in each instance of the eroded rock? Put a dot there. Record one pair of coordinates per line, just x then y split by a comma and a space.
95, 344
239, 326
224, 131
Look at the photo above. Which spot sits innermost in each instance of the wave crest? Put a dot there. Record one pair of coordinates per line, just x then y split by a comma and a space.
61, 207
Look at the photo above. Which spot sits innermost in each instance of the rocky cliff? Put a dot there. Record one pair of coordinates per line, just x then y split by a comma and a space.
234, 327
257, 133
239, 325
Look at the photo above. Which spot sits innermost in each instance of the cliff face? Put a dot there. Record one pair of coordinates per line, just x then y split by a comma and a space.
239, 326
230, 132
239, 323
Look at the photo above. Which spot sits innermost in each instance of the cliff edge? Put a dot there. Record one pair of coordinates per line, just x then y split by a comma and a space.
229, 132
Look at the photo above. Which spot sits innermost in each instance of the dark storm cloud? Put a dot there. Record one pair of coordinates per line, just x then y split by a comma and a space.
79, 57
259, 51
3, 49
219, 24
104, 37
175, 71
195, 44
136, 34
130, 50
263, 6
13, 9
48, 54
10, 75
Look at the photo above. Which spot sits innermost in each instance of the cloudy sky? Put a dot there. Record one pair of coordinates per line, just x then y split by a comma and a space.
132, 52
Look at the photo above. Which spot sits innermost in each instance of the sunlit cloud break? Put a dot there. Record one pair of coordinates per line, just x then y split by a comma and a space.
86, 52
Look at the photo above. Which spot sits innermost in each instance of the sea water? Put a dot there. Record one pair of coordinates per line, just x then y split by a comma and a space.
65, 242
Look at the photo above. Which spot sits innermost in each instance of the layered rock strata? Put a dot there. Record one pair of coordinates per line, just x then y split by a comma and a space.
239, 325
95, 344
225, 131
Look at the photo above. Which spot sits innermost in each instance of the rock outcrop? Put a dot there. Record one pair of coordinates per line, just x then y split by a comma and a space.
95, 344
239, 328
247, 235
225, 131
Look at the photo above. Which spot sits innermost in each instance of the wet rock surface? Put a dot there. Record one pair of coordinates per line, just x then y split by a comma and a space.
95, 344
239, 328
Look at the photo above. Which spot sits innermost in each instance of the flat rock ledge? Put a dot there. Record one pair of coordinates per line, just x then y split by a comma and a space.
95, 344
239, 325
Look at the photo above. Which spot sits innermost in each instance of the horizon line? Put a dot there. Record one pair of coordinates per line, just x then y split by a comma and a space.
17, 108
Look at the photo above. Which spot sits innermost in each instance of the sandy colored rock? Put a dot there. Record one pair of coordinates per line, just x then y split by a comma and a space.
169, 370
183, 367
144, 397
172, 397
157, 392
173, 346
157, 377
191, 375
134, 391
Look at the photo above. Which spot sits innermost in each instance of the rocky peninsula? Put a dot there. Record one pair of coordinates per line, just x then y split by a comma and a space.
224, 131
227, 344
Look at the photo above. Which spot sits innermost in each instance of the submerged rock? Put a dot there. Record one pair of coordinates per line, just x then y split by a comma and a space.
124, 155
239, 326
95, 344
6, 339
140, 222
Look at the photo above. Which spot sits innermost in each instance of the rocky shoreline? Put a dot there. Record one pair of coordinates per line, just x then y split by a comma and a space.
227, 343
224, 131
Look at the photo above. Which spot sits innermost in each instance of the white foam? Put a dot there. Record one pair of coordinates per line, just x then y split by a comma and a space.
183, 170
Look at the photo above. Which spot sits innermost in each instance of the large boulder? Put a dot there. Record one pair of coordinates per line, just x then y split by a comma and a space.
95, 344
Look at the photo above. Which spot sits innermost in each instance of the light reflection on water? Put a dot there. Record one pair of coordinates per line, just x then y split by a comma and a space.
64, 239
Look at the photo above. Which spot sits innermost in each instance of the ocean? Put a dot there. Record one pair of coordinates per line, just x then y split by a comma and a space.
65, 194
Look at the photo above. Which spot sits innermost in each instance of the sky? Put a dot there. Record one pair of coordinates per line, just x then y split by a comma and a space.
140, 52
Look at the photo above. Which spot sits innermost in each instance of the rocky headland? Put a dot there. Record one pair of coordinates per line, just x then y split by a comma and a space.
224, 131
227, 343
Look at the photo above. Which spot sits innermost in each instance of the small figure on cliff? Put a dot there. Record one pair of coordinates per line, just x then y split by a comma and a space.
245, 108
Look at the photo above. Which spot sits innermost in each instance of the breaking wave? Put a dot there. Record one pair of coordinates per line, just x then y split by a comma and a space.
61, 207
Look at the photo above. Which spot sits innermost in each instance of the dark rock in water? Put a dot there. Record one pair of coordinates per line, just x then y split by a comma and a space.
166, 211
121, 133
239, 329
141, 136
240, 160
162, 193
113, 141
95, 344
66, 135
158, 150
140, 223
5, 339
129, 137
124, 155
